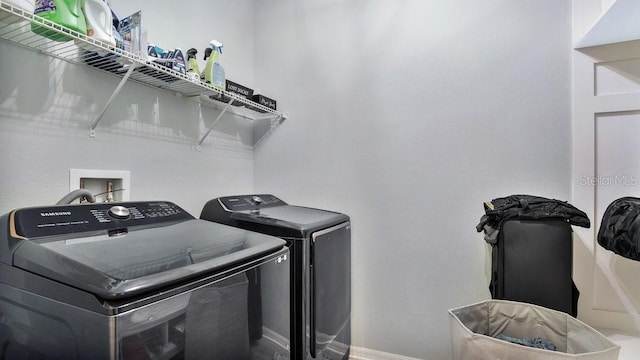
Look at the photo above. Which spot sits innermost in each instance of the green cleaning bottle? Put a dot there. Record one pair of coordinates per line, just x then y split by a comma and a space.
193, 70
67, 13
213, 72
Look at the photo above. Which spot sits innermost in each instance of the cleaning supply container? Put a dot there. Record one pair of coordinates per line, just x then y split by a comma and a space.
99, 22
66, 13
214, 72
193, 70
474, 329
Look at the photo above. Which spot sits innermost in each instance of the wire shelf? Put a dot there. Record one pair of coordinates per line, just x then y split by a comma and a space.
16, 27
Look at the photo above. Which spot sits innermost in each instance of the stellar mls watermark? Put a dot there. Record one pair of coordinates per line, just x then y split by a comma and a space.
609, 180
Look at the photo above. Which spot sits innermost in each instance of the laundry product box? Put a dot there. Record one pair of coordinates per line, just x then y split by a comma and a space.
241, 90
130, 29
264, 101
474, 329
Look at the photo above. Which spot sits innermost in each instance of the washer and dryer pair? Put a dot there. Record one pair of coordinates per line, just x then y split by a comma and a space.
146, 280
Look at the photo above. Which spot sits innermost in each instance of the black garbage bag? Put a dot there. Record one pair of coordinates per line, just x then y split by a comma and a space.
620, 228
526, 207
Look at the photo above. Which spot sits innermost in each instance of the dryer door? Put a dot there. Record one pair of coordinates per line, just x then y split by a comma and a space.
330, 288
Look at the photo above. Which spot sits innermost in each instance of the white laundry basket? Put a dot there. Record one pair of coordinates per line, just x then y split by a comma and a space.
474, 327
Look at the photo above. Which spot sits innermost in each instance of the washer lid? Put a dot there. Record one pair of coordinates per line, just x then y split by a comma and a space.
136, 259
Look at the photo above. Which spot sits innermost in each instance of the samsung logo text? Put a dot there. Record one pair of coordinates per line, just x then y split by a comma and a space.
56, 213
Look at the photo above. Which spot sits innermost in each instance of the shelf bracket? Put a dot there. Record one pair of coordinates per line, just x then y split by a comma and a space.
267, 117
96, 120
214, 124
277, 118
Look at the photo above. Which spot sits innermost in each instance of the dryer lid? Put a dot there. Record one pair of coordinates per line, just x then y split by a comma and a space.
290, 218
122, 258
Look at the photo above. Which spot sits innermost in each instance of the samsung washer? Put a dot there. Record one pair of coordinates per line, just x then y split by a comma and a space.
139, 280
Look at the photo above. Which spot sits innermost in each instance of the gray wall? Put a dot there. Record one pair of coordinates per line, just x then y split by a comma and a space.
407, 115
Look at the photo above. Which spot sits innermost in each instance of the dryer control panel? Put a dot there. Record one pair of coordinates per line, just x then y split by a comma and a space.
250, 202
66, 219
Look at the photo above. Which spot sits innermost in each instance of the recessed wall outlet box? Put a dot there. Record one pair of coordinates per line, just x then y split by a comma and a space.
105, 185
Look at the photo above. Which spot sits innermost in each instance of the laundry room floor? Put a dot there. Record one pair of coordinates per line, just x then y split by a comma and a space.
629, 344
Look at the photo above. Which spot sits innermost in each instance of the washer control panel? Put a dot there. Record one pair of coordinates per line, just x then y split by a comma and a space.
57, 220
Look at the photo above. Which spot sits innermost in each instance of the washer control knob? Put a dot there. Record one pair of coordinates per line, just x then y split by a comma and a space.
119, 212
256, 200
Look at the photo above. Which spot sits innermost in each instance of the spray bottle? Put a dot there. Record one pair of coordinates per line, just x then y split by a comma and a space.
213, 72
193, 70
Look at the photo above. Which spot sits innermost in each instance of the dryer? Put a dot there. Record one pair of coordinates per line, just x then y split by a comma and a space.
139, 280
320, 247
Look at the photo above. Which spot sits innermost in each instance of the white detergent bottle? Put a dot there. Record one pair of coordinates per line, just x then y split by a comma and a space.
99, 22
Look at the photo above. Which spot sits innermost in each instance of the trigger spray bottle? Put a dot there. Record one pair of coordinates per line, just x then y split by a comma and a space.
213, 72
193, 70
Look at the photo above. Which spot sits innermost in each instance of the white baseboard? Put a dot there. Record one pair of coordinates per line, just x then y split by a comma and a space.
358, 353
